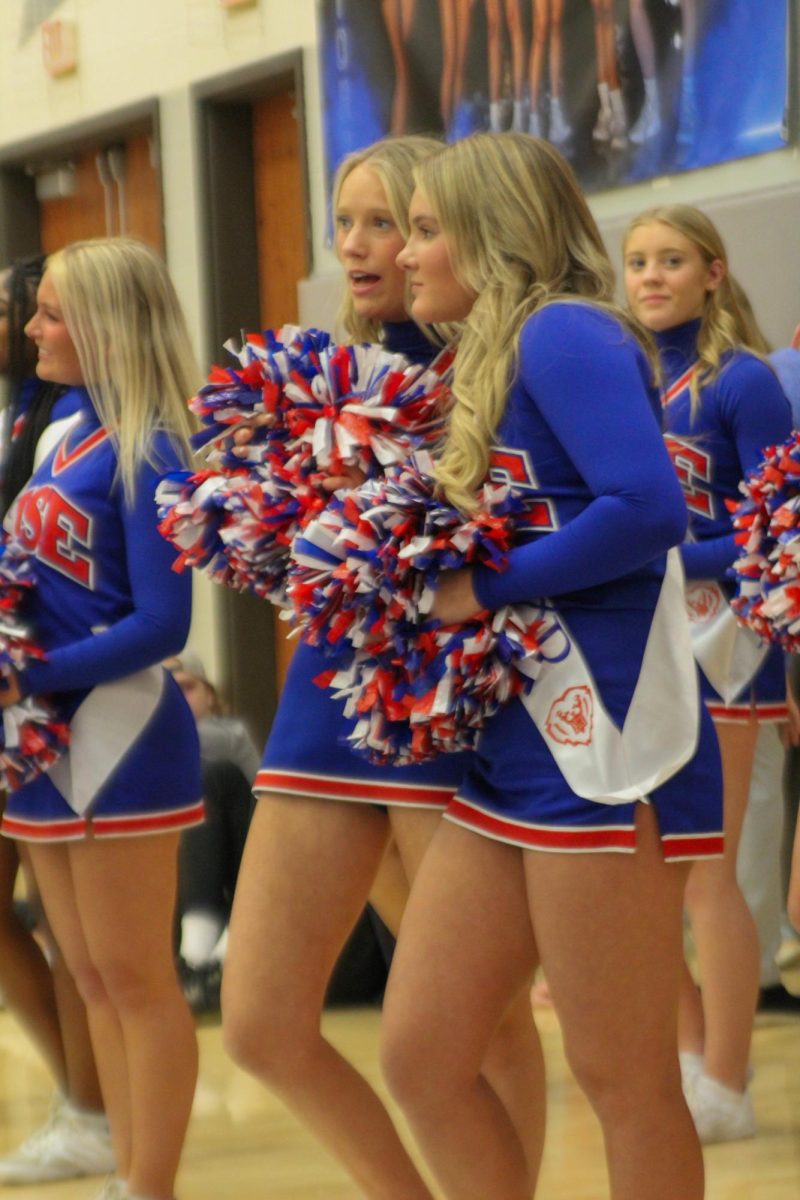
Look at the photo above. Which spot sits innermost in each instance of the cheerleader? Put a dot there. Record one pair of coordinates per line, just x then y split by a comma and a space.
36, 986
571, 835
722, 406
107, 608
324, 817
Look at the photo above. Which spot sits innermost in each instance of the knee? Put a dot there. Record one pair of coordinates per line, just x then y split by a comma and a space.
621, 1086
130, 986
275, 1047
415, 1076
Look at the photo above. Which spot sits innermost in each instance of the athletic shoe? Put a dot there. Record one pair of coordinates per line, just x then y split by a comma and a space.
648, 123
201, 985
71, 1143
691, 1070
720, 1114
559, 131
113, 1189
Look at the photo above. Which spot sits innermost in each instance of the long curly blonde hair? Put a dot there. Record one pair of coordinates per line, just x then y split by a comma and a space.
520, 236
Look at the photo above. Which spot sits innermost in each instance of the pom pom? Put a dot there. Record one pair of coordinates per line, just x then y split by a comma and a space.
767, 571
362, 583
298, 410
34, 735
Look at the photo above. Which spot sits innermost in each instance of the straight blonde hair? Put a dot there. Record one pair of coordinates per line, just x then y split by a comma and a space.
393, 160
727, 322
129, 332
520, 236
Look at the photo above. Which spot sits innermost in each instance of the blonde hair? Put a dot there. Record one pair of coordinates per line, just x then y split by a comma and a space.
129, 332
521, 236
727, 322
393, 161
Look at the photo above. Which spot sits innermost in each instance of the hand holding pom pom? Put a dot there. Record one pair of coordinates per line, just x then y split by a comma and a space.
301, 417
384, 571
34, 735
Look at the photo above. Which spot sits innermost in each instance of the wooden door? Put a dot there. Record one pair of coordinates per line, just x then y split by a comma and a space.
281, 238
130, 203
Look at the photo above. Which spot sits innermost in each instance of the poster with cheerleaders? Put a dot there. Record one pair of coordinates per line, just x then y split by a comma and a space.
626, 89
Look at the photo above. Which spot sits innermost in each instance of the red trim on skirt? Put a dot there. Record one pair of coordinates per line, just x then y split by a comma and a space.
332, 787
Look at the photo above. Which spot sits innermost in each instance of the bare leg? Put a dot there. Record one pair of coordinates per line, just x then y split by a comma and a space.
517, 36
307, 869
541, 22
609, 931
389, 892
724, 930
397, 16
121, 956
447, 20
25, 976
514, 1063
465, 952
556, 47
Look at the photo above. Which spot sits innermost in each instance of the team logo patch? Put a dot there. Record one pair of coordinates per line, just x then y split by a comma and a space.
571, 717
702, 602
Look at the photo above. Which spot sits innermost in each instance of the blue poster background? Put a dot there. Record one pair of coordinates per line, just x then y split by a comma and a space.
733, 105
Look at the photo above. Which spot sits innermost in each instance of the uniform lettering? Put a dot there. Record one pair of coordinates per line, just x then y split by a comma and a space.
57, 532
514, 468
693, 468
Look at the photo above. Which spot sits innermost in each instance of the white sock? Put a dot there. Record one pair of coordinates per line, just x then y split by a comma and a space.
605, 99
200, 932
221, 948
651, 91
496, 116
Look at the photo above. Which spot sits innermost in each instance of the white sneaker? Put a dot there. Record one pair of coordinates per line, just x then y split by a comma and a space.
559, 132
648, 123
720, 1114
113, 1189
691, 1070
69, 1144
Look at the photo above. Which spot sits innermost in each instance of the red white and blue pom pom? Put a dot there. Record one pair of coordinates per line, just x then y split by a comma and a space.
767, 570
297, 410
34, 734
364, 576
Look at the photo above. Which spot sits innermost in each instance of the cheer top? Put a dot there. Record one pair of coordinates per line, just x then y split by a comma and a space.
107, 602
608, 498
741, 411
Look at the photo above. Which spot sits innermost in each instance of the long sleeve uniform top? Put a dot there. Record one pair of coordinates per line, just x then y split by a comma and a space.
741, 412
107, 602
581, 433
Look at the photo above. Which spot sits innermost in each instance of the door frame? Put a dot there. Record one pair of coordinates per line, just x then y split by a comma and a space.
19, 206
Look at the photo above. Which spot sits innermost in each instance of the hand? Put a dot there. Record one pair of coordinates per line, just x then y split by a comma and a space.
9, 691
242, 435
454, 600
351, 477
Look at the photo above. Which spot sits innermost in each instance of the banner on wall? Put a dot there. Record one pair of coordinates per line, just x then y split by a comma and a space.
626, 89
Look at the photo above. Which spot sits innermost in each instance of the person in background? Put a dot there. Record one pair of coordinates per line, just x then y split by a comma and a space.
37, 987
107, 609
210, 854
722, 405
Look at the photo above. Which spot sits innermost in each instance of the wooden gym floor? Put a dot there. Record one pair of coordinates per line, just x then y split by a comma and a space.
244, 1146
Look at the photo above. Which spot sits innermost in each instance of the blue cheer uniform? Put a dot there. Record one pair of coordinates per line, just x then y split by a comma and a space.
107, 608
581, 432
741, 412
306, 753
